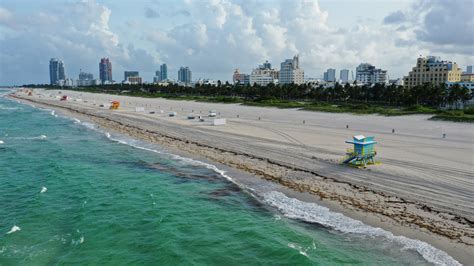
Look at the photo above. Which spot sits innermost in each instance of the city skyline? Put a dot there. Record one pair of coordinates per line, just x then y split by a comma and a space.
209, 36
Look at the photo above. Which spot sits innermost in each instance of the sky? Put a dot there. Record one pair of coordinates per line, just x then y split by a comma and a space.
214, 37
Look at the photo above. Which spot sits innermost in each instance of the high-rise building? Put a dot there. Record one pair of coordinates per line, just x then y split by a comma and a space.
68, 82
134, 80
262, 80
240, 78
467, 76
290, 72
157, 77
105, 71
85, 76
127, 74
266, 70
184, 75
367, 74
163, 72
132, 77
266, 65
469, 70
264, 75
86, 79
344, 76
433, 70
330, 75
56, 71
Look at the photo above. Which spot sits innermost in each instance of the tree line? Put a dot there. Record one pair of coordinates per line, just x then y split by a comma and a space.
427, 94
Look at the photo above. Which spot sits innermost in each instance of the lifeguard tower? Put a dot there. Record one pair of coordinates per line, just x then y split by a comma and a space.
363, 152
115, 105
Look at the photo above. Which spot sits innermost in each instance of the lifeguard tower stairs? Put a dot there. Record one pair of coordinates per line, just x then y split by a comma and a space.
363, 152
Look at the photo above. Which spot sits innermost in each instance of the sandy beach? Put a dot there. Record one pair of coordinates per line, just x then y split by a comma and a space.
423, 187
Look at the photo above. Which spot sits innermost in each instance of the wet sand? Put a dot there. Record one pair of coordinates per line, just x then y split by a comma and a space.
423, 189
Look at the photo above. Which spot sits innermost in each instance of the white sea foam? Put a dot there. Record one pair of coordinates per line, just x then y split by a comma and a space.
43, 189
3, 107
76, 120
1, 142
89, 125
301, 250
311, 212
77, 242
40, 137
14, 229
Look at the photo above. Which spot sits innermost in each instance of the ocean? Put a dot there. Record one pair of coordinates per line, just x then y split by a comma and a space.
71, 193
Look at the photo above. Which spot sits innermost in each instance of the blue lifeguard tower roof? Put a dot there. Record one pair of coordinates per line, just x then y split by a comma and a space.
362, 140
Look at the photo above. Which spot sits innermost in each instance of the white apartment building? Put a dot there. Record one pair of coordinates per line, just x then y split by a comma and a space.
367, 74
290, 72
261, 79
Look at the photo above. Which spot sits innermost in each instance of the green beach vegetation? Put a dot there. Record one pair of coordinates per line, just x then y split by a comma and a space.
390, 100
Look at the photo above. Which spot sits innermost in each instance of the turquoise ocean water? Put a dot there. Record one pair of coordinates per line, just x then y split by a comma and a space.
71, 194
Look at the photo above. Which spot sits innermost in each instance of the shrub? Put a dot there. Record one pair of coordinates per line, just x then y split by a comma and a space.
469, 110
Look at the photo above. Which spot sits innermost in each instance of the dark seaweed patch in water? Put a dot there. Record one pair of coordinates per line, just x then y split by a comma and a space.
183, 174
185, 177
230, 195
140, 164
316, 226
228, 190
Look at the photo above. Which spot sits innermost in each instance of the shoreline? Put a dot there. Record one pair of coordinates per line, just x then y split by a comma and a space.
362, 203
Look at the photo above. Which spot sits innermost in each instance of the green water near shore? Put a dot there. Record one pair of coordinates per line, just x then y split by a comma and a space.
110, 203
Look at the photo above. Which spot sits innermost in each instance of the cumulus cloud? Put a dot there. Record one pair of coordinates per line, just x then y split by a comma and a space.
395, 17
448, 22
241, 34
214, 37
79, 33
444, 27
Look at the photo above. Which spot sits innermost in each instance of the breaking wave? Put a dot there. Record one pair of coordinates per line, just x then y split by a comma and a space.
304, 211
14, 229
313, 213
3, 107
40, 137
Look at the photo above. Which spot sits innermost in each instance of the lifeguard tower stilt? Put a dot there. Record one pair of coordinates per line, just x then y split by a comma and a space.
363, 152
